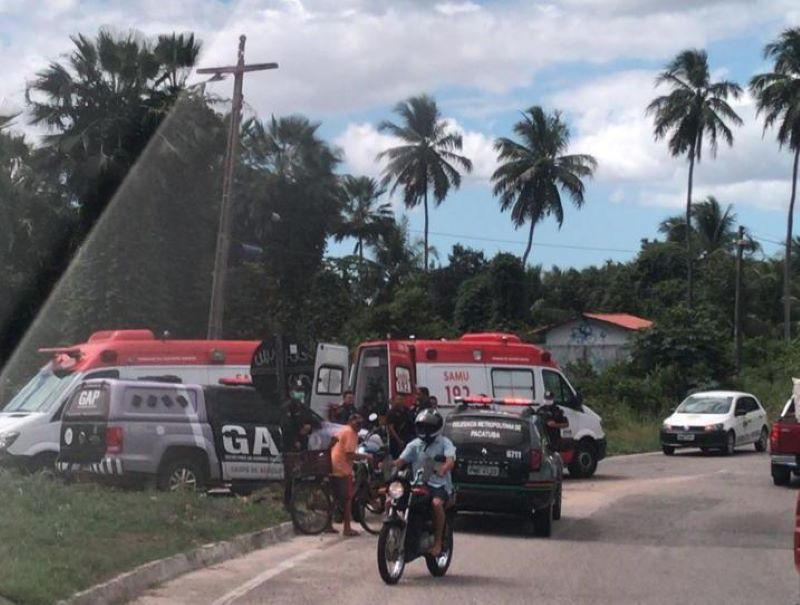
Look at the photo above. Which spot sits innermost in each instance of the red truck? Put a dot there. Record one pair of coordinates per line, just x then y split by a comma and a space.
784, 442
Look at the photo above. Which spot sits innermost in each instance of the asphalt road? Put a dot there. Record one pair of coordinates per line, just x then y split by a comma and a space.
692, 528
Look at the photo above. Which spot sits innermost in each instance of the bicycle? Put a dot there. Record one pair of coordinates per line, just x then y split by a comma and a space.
309, 500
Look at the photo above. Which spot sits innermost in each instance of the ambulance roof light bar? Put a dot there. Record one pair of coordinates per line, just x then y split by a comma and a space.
485, 401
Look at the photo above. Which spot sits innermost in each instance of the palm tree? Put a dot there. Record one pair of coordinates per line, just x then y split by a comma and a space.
426, 160
778, 98
364, 216
694, 110
712, 227
103, 103
534, 170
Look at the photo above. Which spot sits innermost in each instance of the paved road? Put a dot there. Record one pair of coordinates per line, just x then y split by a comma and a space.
647, 529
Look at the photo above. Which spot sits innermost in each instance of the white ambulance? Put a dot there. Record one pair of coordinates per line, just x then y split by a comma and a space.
496, 365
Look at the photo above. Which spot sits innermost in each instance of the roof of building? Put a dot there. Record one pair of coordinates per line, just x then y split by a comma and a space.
623, 320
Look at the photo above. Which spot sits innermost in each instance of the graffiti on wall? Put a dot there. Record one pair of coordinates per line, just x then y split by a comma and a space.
587, 334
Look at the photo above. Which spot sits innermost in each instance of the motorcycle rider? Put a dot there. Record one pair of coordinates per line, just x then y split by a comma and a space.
430, 444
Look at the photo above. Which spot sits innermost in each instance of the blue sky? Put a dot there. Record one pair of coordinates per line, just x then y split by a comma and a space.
346, 62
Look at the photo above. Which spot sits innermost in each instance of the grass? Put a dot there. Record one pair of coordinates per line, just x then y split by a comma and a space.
631, 433
58, 539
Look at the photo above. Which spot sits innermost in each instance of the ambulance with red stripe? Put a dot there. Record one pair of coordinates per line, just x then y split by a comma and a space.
494, 365
30, 423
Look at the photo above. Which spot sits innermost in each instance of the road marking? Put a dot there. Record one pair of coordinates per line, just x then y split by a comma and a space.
258, 580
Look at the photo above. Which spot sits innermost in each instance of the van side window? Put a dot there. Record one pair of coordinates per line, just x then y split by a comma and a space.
562, 394
516, 383
329, 380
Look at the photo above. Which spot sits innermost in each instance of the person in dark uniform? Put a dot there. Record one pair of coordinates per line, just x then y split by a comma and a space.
400, 425
297, 423
342, 413
552, 420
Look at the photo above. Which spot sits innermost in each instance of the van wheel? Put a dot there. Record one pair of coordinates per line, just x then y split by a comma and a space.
46, 461
182, 475
584, 463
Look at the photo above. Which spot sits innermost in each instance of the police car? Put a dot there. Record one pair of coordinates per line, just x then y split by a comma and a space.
504, 463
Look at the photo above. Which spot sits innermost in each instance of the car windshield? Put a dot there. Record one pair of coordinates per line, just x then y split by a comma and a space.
505, 432
40, 393
705, 404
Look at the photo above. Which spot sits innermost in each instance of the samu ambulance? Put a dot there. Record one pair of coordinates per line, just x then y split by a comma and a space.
494, 365
31, 422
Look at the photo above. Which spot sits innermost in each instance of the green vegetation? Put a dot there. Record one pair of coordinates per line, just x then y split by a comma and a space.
113, 217
58, 539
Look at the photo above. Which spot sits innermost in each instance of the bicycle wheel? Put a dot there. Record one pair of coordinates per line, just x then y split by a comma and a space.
310, 506
370, 514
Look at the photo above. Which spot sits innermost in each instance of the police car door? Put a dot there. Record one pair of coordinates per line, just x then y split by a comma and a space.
330, 377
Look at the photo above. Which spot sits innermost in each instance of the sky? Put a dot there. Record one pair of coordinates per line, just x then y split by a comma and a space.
346, 63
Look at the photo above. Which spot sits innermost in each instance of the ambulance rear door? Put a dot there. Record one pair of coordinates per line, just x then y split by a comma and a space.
330, 376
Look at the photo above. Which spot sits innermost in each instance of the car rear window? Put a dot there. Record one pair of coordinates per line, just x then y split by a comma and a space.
88, 402
505, 432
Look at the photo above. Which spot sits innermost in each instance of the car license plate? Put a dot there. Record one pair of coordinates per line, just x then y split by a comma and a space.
481, 470
685, 437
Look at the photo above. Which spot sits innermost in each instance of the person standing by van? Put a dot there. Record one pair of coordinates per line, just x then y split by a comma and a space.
341, 414
343, 454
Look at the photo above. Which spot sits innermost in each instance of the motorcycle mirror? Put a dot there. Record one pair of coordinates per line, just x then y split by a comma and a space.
373, 417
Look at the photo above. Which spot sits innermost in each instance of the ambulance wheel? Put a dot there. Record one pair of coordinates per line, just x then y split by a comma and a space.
46, 461
584, 462
182, 474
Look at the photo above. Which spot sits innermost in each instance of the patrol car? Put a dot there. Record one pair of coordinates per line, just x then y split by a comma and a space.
504, 463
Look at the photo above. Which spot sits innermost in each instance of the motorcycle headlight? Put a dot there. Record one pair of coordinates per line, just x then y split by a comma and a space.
396, 490
7, 438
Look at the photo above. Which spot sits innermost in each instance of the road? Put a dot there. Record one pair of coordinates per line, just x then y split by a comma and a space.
692, 528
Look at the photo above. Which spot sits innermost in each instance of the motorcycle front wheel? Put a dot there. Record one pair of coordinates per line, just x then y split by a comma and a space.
391, 558
438, 566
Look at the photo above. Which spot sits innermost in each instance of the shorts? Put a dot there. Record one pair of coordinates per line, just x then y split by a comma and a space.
342, 487
439, 492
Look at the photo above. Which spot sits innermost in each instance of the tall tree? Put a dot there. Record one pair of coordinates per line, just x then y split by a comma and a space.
364, 215
712, 227
426, 159
777, 96
696, 109
536, 169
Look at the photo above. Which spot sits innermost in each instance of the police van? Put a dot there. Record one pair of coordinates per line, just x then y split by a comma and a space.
180, 436
494, 365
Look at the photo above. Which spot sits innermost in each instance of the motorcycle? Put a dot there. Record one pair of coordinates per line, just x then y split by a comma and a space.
407, 532
368, 502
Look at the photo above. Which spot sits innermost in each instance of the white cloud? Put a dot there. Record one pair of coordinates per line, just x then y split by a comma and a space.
362, 142
353, 54
609, 122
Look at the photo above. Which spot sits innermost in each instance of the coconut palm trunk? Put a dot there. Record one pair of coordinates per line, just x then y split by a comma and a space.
787, 265
425, 253
689, 276
530, 244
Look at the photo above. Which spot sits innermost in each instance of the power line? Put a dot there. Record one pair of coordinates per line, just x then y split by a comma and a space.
522, 243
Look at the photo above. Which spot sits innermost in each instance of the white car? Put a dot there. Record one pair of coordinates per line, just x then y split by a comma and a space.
721, 420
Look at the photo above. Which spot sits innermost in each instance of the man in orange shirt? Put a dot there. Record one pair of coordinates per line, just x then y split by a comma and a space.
343, 453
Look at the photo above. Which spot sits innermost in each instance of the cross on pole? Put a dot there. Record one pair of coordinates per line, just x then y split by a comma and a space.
217, 307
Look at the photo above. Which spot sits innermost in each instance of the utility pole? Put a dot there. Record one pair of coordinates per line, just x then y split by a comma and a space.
217, 307
737, 312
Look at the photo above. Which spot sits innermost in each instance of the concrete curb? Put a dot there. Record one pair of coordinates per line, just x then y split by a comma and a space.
131, 584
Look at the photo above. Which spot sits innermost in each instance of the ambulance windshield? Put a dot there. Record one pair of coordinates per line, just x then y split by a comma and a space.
41, 392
